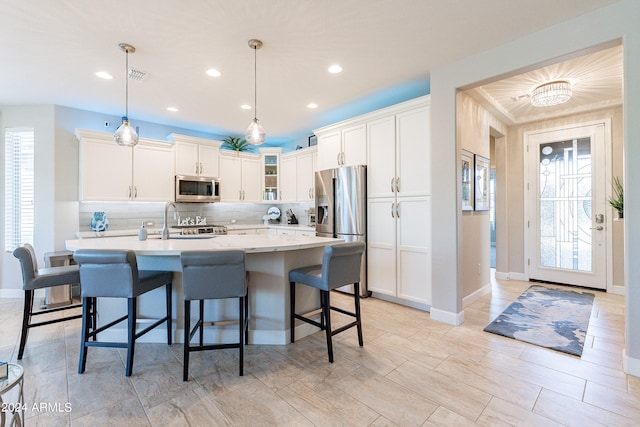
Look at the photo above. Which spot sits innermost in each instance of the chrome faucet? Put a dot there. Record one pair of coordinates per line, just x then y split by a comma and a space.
165, 230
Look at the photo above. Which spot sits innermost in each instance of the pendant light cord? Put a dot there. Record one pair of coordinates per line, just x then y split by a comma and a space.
126, 85
255, 82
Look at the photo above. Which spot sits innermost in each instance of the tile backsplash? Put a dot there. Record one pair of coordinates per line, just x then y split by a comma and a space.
129, 215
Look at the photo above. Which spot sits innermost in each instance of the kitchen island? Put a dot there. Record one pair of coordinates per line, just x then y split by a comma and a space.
269, 259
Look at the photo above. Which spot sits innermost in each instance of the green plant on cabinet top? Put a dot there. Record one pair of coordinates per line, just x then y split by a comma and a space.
236, 144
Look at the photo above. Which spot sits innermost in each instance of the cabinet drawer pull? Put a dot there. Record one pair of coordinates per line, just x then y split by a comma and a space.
397, 184
135, 192
398, 210
392, 214
129, 191
392, 189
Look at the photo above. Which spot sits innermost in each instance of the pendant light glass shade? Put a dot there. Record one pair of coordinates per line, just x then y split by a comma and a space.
255, 134
126, 134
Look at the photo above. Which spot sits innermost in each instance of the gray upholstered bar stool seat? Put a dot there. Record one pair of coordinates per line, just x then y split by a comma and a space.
340, 267
34, 278
115, 274
212, 275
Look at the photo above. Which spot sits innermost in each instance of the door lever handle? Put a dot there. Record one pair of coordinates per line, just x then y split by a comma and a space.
599, 228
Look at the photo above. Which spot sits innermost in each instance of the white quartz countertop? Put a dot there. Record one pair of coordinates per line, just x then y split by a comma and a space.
251, 243
156, 231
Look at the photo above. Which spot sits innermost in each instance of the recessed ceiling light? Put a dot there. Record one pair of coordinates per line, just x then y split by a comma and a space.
172, 109
312, 105
213, 72
104, 75
245, 107
335, 68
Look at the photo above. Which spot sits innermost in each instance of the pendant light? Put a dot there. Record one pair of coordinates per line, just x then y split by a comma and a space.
126, 134
255, 132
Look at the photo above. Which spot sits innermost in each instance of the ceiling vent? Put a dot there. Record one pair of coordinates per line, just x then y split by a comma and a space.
137, 74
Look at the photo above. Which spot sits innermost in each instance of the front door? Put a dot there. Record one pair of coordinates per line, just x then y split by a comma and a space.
565, 206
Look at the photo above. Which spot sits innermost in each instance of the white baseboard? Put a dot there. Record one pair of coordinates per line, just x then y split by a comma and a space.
474, 296
518, 276
11, 293
448, 317
630, 365
401, 301
501, 275
618, 290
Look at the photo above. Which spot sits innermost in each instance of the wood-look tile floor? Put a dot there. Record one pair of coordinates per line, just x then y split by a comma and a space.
411, 371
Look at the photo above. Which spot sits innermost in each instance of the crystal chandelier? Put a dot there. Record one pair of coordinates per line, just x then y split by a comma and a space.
552, 93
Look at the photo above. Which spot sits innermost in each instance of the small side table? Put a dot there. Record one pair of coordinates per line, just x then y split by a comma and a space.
12, 411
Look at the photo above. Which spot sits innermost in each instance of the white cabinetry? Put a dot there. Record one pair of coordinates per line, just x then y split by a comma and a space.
196, 156
343, 144
271, 171
297, 175
240, 175
306, 167
399, 204
288, 178
109, 172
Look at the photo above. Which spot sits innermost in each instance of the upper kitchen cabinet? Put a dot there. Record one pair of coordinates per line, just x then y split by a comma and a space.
398, 151
297, 175
110, 172
271, 173
306, 167
196, 156
342, 144
240, 175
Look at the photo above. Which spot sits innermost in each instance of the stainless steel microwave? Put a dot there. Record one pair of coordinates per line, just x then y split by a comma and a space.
197, 189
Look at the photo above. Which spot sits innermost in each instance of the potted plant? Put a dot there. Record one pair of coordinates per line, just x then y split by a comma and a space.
235, 143
617, 198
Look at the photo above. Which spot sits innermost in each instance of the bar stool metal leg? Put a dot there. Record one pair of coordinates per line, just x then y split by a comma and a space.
187, 338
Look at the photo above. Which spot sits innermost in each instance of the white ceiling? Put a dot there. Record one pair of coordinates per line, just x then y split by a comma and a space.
51, 50
596, 81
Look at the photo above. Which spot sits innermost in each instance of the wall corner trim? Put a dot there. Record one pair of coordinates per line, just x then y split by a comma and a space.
455, 319
630, 365
474, 296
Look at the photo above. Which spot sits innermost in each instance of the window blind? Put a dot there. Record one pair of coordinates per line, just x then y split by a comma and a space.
19, 187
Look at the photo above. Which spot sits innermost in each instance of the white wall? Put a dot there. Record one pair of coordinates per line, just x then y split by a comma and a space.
41, 118
603, 26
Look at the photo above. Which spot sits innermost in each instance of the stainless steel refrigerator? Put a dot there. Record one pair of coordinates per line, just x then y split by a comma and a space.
341, 210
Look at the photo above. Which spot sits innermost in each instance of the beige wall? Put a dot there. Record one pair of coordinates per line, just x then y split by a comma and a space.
515, 258
474, 127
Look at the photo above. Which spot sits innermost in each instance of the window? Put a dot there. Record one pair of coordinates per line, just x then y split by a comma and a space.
18, 189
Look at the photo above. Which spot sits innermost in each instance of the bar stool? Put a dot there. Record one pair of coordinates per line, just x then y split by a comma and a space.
211, 275
115, 274
34, 278
340, 266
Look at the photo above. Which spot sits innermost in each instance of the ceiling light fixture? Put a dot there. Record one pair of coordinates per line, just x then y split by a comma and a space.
312, 105
335, 69
212, 72
255, 134
126, 134
104, 75
551, 93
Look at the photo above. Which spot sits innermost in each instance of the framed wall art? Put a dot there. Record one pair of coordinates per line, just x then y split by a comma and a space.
466, 168
481, 185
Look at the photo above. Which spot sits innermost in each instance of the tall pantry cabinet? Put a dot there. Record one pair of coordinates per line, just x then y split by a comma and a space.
399, 204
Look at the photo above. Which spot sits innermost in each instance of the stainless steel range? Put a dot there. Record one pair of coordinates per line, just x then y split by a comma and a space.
189, 230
